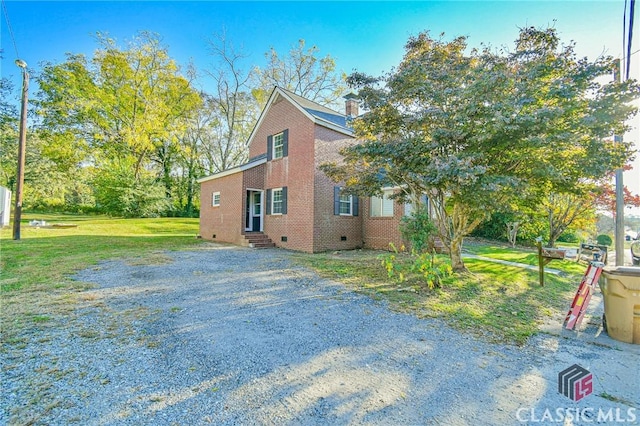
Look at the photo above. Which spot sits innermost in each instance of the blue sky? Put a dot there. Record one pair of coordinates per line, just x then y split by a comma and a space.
367, 36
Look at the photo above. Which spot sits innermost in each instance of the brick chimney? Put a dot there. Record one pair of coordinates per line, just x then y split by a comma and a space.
351, 105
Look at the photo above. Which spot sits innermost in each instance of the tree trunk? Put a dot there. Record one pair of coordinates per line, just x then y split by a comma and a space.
190, 190
554, 234
166, 178
455, 252
512, 232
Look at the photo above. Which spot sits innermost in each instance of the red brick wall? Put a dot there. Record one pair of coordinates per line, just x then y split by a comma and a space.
309, 223
294, 171
328, 229
226, 221
380, 231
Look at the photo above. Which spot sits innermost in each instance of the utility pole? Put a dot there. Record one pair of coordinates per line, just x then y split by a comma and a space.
619, 235
17, 213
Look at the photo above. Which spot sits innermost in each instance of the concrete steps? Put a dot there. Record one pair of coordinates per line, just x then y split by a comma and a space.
258, 240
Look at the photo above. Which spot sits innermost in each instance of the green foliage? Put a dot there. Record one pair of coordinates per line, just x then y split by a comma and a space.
119, 192
133, 105
426, 266
8, 135
569, 237
478, 130
418, 229
604, 239
122, 106
531, 226
568, 212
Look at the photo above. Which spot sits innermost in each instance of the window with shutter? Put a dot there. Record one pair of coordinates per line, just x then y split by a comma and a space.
278, 145
268, 211
278, 201
343, 204
284, 200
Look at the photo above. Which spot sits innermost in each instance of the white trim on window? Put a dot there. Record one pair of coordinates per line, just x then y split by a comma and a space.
215, 199
278, 145
346, 205
382, 206
277, 201
410, 207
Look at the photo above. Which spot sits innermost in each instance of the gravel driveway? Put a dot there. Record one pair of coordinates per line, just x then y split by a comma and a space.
226, 335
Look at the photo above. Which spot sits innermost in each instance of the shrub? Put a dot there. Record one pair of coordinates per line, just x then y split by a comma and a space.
569, 236
418, 229
426, 265
120, 192
495, 229
604, 240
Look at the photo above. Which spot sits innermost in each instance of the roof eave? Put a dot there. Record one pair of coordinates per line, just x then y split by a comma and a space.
333, 126
232, 171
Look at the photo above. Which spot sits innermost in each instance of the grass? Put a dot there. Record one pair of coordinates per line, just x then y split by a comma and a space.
35, 283
527, 256
502, 303
37, 295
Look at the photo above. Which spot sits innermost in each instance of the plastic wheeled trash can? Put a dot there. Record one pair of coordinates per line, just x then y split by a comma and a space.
621, 291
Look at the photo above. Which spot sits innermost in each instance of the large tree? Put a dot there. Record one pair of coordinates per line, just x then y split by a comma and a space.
118, 111
477, 128
230, 111
301, 72
8, 135
566, 211
605, 195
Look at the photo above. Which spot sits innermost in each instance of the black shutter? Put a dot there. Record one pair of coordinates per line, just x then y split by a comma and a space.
336, 200
285, 142
425, 202
269, 147
268, 201
284, 200
356, 205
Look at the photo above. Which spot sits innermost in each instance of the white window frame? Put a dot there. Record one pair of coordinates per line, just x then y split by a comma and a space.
384, 201
213, 199
408, 208
349, 200
273, 201
278, 145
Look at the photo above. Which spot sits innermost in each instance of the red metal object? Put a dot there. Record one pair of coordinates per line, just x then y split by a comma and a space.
583, 296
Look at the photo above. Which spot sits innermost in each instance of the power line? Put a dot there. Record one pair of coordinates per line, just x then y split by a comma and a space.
6, 17
628, 52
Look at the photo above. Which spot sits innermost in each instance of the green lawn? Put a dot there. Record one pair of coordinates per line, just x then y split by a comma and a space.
527, 256
35, 282
502, 303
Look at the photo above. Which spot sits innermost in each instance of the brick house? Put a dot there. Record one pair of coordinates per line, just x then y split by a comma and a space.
280, 197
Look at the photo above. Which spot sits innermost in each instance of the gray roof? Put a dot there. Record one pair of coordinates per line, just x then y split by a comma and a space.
320, 111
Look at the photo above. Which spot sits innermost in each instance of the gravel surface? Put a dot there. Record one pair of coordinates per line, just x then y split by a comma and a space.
226, 335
